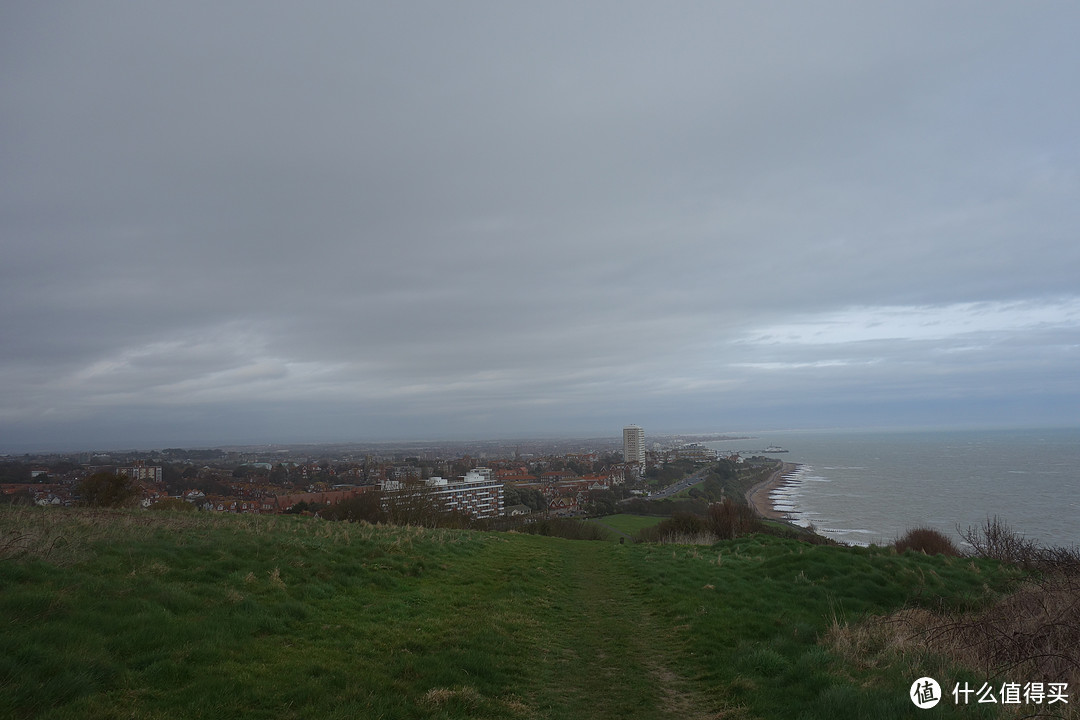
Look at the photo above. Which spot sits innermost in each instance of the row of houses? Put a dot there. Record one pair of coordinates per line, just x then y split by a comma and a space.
480, 493
269, 504
566, 494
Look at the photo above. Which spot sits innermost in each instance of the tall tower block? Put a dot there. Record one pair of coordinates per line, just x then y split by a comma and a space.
633, 441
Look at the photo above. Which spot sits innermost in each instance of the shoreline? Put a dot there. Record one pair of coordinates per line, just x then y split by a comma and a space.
758, 498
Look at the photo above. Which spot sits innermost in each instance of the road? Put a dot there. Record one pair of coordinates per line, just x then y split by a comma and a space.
687, 482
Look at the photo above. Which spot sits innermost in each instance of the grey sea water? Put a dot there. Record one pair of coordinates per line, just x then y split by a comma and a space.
865, 487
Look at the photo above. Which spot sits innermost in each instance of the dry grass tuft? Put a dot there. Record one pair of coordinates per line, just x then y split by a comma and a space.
1035, 631
1032, 634
67, 535
514, 705
438, 697
275, 579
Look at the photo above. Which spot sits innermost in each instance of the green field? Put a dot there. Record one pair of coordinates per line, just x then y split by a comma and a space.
144, 615
628, 524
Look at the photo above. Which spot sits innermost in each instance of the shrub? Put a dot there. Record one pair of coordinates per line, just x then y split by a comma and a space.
1059, 559
725, 520
1033, 631
728, 519
106, 489
679, 525
927, 540
681, 528
366, 507
994, 539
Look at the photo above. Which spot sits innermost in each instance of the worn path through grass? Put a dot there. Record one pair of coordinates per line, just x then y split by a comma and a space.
606, 654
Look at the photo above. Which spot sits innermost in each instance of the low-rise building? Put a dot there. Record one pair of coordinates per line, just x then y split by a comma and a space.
693, 452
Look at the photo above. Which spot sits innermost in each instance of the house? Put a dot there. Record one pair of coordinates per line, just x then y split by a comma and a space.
557, 475
564, 505
515, 474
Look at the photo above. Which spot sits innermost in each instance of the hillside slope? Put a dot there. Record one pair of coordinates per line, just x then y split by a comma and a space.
117, 614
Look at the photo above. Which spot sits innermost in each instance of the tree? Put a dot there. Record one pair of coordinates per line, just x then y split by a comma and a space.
602, 502
279, 475
172, 478
534, 499
14, 472
511, 496
578, 468
106, 489
366, 507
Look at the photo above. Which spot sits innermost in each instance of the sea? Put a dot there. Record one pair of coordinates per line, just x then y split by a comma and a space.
866, 487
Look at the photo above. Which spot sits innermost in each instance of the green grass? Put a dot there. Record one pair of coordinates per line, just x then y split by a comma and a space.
128, 614
628, 524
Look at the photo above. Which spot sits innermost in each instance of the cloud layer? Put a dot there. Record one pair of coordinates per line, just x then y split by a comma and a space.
261, 222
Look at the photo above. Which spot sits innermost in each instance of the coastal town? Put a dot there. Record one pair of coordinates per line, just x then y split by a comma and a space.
484, 480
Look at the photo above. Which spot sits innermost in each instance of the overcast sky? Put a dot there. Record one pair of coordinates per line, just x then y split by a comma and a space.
229, 222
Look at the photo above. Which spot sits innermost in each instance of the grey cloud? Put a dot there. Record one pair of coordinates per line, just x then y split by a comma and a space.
540, 217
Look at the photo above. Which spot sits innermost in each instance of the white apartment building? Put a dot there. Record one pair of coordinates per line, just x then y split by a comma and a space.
478, 495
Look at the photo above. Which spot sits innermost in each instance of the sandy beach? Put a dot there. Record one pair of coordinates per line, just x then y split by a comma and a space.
758, 496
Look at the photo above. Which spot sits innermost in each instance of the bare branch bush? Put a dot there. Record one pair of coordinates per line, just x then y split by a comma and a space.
995, 540
729, 520
1032, 634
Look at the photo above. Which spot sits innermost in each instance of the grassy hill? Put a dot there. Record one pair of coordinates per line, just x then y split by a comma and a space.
625, 526
111, 614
